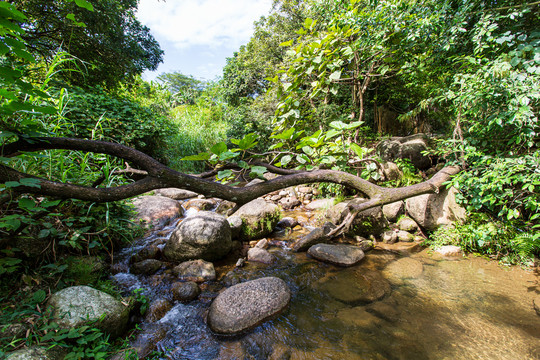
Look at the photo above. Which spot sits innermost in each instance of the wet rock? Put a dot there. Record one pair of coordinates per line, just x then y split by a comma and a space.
260, 255
287, 222
408, 147
402, 269
316, 236
391, 171
240, 262
262, 244
341, 255
355, 287
157, 309
389, 237
200, 204
205, 235
384, 310
231, 351
364, 243
280, 352
449, 250
195, 270
37, 353
357, 316
81, 305
405, 236
185, 291
320, 204
246, 305
146, 267
259, 218
145, 341
433, 210
289, 202
230, 279
225, 208
394, 210
407, 224
176, 194
149, 252
155, 210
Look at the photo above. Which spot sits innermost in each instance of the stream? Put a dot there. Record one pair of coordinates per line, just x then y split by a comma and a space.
401, 301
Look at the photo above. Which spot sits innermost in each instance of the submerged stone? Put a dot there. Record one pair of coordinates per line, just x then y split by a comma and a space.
355, 287
341, 255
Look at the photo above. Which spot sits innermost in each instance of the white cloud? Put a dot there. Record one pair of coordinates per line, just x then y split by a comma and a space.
202, 22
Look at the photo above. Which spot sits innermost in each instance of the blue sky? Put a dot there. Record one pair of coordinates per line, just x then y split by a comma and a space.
198, 35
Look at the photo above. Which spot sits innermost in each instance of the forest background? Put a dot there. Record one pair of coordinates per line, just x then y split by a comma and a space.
318, 84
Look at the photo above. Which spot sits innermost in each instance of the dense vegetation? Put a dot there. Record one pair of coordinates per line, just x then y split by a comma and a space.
317, 85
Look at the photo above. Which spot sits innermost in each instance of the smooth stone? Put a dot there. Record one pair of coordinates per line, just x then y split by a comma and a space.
341, 255
146, 267
257, 254
316, 236
320, 204
185, 291
246, 305
195, 270
176, 194
389, 237
154, 210
235, 223
81, 305
200, 204
393, 210
149, 252
206, 235
37, 353
289, 202
449, 250
356, 287
407, 224
259, 218
225, 208
405, 236
262, 244
287, 222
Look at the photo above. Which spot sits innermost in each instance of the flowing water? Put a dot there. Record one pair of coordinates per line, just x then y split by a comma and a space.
399, 302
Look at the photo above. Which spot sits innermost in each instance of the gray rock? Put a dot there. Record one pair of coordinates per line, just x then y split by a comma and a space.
16, 330
389, 237
185, 291
260, 255
195, 270
364, 243
259, 218
289, 202
37, 353
80, 305
244, 306
287, 222
449, 250
320, 204
155, 210
205, 235
407, 224
146, 267
408, 147
235, 222
405, 236
341, 255
391, 171
176, 194
225, 208
316, 236
149, 252
394, 210
356, 286
262, 244
200, 204
433, 210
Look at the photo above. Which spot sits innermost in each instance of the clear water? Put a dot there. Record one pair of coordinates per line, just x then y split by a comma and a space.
427, 308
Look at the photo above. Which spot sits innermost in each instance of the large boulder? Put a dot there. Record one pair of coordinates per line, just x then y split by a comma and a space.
433, 210
246, 305
81, 305
393, 210
367, 222
176, 194
408, 147
205, 235
154, 210
258, 219
340, 254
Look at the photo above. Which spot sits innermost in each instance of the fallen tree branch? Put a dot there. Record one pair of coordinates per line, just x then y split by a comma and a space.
160, 176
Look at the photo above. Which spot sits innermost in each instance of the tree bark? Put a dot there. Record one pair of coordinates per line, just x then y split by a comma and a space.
160, 176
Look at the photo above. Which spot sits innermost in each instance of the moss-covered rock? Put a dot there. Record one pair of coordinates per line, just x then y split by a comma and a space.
259, 218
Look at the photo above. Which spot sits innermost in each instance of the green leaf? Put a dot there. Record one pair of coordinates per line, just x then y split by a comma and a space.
285, 135
359, 151
219, 148
224, 174
227, 155
84, 4
257, 171
336, 75
286, 43
285, 160
27, 203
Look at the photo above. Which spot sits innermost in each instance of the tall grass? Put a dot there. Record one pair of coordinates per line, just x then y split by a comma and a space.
199, 127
